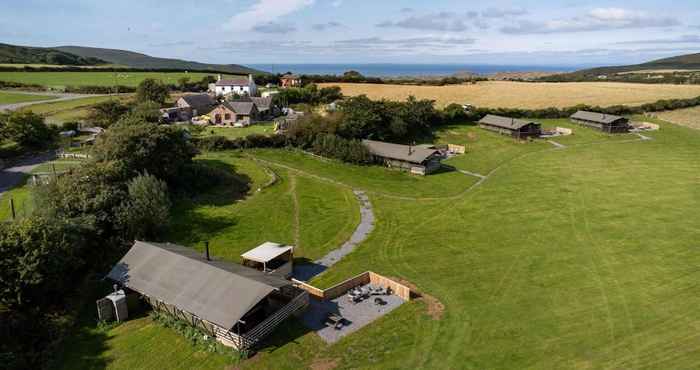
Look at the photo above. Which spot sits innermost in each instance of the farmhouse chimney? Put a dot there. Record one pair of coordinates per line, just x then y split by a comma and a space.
250, 78
218, 77
206, 250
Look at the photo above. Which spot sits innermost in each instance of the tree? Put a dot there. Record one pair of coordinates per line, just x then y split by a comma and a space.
26, 129
146, 213
161, 151
107, 113
39, 255
183, 83
146, 111
152, 90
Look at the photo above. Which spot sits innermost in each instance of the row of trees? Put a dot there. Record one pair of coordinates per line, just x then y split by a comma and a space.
309, 94
84, 220
357, 77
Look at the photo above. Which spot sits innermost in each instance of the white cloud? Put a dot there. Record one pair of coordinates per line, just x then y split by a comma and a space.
274, 27
442, 21
598, 19
264, 12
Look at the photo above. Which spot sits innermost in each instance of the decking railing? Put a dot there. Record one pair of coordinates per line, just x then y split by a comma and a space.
264, 328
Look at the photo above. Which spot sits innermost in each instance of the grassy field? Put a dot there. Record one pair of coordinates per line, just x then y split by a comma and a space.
527, 95
689, 117
576, 258
314, 216
62, 79
108, 347
69, 110
22, 193
262, 128
12, 98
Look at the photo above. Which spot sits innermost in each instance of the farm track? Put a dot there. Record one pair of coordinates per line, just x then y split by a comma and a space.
60, 97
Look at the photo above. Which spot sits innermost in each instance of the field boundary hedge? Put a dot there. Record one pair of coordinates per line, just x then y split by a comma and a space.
621, 110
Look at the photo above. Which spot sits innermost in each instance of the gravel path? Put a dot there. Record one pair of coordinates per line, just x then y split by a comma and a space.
11, 176
59, 97
307, 271
558, 145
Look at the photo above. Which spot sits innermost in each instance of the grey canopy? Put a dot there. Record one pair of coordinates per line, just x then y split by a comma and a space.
218, 292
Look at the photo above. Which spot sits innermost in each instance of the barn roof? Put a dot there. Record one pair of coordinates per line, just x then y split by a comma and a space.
262, 104
596, 117
505, 122
241, 107
199, 102
412, 154
216, 291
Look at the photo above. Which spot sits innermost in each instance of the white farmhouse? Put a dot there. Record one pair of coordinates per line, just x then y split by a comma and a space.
240, 85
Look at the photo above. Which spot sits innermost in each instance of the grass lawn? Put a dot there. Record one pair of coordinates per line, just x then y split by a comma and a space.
12, 98
375, 179
314, 216
576, 258
21, 195
262, 128
70, 110
92, 78
60, 165
95, 347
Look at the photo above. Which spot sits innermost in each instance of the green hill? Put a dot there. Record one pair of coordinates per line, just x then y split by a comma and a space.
13, 54
681, 62
138, 60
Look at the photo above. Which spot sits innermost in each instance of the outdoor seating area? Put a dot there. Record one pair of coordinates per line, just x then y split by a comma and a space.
335, 318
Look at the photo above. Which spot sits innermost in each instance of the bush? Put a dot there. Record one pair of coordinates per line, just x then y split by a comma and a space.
161, 151
152, 90
26, 129
146, 212
350, 151
107, 113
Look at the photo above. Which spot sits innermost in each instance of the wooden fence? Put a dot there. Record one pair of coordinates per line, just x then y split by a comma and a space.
364, 278
72, 155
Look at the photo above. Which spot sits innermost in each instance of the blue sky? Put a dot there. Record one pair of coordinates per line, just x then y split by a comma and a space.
534, 32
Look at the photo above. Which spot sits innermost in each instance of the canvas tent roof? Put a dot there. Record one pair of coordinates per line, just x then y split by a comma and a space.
505, 122
216, 291
266, 252
596, 117
412, 154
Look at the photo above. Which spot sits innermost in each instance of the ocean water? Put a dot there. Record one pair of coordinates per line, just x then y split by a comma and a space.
396, 70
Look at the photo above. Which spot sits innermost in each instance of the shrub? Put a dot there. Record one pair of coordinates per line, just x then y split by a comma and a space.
107, 113
146, 212
26, 129
350, 151
152, 90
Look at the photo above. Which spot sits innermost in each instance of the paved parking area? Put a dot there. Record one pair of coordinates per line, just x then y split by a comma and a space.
357, 315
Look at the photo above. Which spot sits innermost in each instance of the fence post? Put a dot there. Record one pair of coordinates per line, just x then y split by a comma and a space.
12, 207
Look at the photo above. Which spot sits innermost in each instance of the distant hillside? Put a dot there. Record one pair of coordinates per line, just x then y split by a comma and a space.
682, 62
138, 60
13, 54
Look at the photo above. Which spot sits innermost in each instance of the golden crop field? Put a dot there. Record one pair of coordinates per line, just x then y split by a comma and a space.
531, 95
689, 117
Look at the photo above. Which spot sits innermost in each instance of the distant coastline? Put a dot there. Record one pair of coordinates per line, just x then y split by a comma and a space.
409, 70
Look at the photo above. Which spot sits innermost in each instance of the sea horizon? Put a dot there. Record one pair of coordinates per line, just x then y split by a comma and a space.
409, 69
